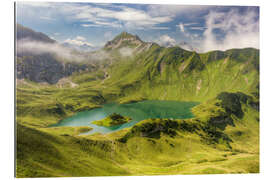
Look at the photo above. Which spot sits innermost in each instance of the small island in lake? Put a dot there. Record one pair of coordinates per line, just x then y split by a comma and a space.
83, 129
112, 120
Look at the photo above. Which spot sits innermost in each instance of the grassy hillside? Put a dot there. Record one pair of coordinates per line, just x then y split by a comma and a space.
223, 137
192, 146
154, 74
176, 74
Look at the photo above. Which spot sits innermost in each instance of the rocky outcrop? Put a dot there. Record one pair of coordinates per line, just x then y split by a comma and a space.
124, 39
45, 68
27, 33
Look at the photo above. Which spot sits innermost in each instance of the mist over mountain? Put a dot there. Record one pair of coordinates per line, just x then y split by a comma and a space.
81, 48
42, 59
45, 54
187, 46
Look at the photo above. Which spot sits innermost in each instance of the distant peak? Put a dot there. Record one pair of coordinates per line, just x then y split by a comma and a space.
126, 37
124, 33
23, 32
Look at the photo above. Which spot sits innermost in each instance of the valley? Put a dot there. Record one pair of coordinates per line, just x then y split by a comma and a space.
205, 117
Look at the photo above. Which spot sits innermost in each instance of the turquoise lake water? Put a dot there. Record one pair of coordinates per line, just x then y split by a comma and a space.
137, 111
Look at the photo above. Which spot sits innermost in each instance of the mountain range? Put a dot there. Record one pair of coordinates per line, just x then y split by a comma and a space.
222, 137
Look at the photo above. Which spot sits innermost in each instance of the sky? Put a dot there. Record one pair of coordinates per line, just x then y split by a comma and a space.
205, 28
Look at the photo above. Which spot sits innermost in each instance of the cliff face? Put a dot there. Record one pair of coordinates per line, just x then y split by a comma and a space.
24, 32
42, 67
45, 68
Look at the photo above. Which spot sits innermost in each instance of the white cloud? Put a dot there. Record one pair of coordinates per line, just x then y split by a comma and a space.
80, 38
78, 41
190, 24
98, 55
126, 52
90, 25
129, 17
239, 30
161, 10
110, 24
185, 32
198, 28
181, 27
39, 47
95, 16
166, 40
66, 53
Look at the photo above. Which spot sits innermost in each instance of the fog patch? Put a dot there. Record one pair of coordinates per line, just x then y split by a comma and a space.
166, 40
126, 52
32, 47
98, 55
239, 30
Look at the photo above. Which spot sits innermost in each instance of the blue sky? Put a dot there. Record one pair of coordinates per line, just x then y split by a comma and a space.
204, 27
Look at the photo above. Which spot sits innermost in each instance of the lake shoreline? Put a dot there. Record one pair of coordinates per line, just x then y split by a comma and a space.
138, 111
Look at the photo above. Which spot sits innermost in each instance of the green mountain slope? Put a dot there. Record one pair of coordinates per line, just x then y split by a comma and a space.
223, 137
176, 74
192, 146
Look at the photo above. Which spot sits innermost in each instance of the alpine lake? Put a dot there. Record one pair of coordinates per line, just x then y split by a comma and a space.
136, 111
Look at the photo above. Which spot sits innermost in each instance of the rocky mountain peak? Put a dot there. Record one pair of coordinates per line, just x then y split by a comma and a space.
27, 33
124, 39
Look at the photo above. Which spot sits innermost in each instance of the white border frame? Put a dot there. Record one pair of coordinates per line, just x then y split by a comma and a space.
7, 88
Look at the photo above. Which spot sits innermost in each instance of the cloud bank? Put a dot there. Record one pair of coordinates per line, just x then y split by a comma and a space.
28, 46
230, 30
78, 41
126, 52
166, 40
203, 27
98, 15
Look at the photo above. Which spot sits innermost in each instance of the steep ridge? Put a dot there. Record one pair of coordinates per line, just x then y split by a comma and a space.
23, 32
186, 75
46, 68
43, 66
126, 42
123, 39
223, 137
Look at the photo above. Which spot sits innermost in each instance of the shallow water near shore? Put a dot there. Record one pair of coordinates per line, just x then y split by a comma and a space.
137, 111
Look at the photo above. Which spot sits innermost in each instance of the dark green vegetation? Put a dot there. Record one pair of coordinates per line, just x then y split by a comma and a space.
223, 137
84, 129
112, 120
